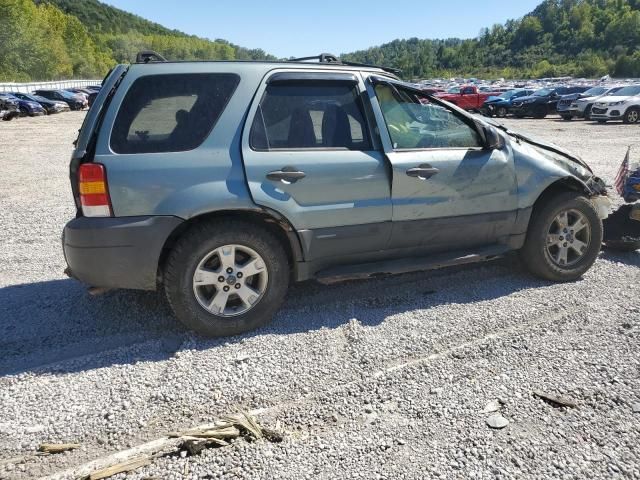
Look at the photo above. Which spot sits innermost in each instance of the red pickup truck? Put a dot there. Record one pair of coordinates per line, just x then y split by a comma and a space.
468, 98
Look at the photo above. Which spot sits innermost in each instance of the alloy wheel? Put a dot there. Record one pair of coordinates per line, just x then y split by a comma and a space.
568, 238
230, 280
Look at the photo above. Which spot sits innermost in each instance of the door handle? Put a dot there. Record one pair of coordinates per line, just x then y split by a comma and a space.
423, 172
286, 175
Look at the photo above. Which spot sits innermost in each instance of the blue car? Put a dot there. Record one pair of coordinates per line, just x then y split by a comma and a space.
499, 106
26, 107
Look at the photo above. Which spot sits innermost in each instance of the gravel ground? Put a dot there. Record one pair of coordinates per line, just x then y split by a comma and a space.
379, 379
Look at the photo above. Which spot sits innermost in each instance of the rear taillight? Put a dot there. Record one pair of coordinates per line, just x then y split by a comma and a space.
94, 194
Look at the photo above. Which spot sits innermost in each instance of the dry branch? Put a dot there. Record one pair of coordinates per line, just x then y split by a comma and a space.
57, 447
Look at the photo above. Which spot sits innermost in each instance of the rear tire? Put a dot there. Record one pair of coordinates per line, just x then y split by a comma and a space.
237, 315
632, 115
587, 112
567, 118
501, 112
580, 237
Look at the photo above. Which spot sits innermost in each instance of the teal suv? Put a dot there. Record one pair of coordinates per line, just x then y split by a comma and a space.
223, 182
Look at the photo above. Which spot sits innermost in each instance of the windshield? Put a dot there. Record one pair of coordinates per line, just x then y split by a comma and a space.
543, 93
629, 91
454, 90
66, 94
592, 92
508, 95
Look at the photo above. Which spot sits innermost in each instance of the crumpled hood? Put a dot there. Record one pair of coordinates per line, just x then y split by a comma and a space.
549, 150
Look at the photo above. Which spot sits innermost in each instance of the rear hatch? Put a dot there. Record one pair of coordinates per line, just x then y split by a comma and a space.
85, 143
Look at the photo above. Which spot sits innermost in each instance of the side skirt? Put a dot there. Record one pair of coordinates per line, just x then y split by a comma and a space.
406, 265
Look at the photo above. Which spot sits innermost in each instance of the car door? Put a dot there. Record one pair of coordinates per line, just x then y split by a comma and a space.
309, 154
448, 190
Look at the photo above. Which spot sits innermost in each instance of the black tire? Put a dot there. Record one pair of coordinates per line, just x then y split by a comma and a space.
501, 112
632, 115
540, 112
587, 112
194, 246
535, 254
567, 118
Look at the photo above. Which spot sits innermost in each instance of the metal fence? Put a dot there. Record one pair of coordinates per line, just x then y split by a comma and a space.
30, 87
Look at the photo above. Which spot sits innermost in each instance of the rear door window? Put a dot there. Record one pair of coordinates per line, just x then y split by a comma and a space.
308, 115
171, 113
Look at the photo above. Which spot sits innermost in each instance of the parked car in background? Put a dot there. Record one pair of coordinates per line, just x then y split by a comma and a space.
565, 101
222, 182
542, 102
8, 108
581, 107
75, 101
499, 106
432, 90
50, 106
467, 97
89, 94
623, 105
28, 108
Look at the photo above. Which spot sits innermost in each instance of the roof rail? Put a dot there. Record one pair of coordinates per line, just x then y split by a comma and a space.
147, 56
329, 58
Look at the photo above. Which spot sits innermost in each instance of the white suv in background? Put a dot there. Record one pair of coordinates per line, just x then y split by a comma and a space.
624, 105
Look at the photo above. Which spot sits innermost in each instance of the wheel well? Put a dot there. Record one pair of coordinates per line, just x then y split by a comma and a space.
560, 186
279, 227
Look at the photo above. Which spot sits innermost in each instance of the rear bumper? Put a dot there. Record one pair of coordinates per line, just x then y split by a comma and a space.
116, 252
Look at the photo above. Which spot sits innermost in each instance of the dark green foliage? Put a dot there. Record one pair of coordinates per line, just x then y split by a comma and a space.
560, 37
56, 39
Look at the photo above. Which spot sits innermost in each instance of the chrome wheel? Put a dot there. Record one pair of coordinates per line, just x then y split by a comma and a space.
230, 280
568, 238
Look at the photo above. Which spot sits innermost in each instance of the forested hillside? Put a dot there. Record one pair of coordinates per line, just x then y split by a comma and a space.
560, 37
54, 39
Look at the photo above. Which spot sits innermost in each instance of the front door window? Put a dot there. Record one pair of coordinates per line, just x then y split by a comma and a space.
415, 122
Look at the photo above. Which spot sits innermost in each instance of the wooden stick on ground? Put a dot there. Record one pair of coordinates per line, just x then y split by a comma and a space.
556, 399
127, 466
57, 447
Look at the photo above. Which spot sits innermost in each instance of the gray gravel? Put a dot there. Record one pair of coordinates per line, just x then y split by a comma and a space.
390, 378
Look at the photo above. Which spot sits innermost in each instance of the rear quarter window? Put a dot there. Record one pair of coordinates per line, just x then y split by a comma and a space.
171, 113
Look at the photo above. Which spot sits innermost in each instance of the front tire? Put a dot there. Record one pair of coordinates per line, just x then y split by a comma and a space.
226, 278
587, 112
563, 239
501, 112
567, 118
632, 115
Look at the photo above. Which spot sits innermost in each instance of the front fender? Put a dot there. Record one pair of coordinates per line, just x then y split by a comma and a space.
538, 169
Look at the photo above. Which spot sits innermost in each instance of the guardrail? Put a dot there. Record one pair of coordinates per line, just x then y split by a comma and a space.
56, 85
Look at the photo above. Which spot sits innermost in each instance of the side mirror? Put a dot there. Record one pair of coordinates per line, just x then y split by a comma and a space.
493, 140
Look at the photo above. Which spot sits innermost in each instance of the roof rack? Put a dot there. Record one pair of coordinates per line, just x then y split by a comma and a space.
147, 56
329, 58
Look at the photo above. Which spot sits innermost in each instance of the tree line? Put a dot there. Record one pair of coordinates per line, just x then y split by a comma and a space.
581, 38
57, 39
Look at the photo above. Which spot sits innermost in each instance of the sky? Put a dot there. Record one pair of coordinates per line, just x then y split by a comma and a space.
287, 28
